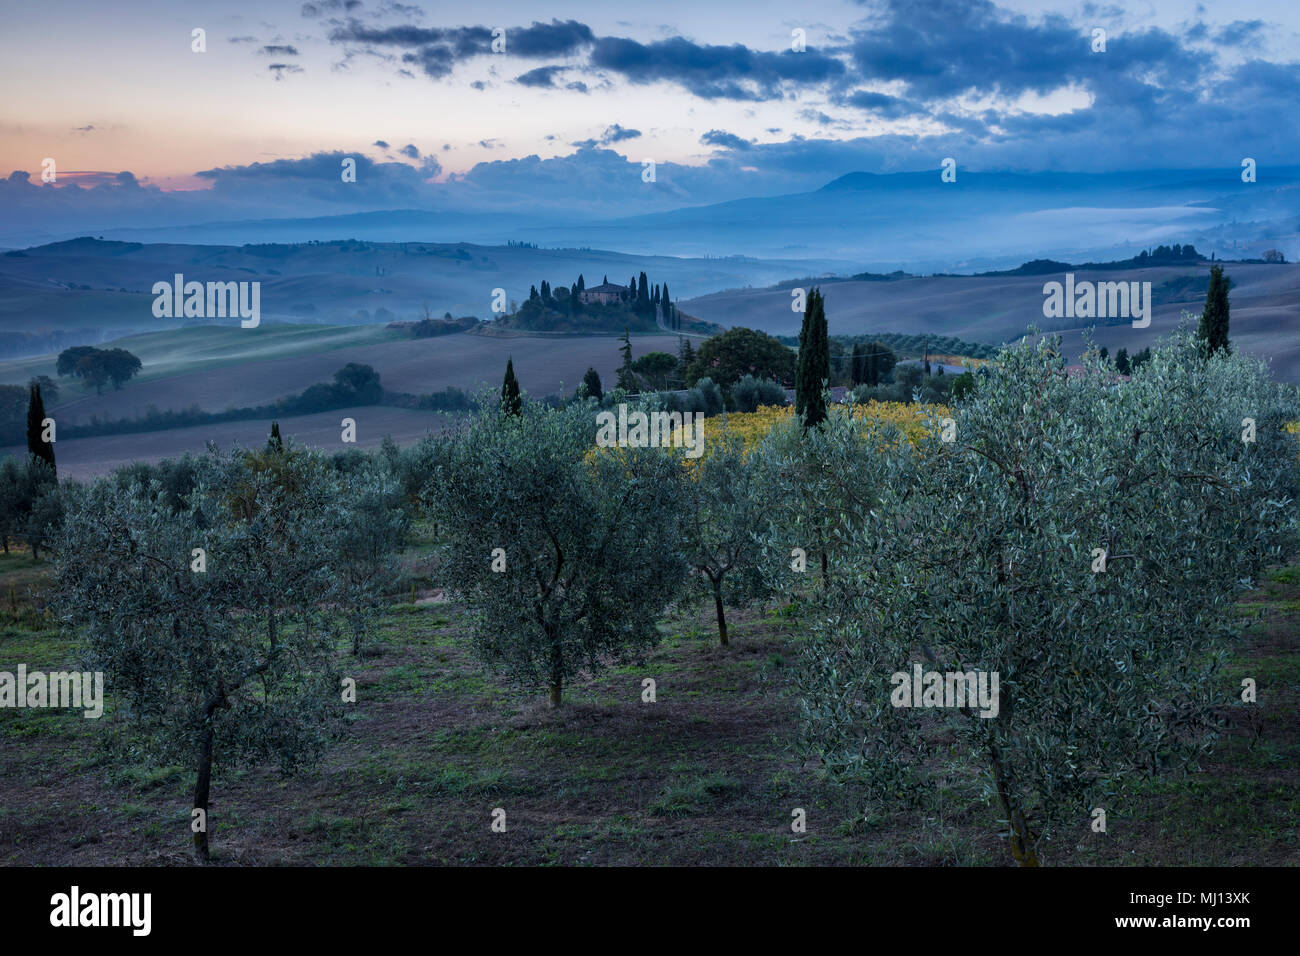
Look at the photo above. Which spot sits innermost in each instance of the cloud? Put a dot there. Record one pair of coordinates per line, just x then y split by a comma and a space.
732, 72
557, 38
380, 143
945, 48
882, 104
280, 69
410, 151
616, 134
543, 76
318, 8
1241, 33
717, 137
88, 128
436, 50
279, 50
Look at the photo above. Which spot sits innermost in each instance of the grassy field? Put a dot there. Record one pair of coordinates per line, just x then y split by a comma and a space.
174, 352
706, 775
217, 368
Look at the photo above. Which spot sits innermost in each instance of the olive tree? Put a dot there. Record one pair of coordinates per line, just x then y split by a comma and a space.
722, 516
813, 483
173, 600
1082, 540
565, 553
376, 528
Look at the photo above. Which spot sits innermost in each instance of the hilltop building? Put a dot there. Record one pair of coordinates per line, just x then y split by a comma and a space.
605, 293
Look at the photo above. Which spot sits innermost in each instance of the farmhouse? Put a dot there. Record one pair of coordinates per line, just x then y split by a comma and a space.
605, 293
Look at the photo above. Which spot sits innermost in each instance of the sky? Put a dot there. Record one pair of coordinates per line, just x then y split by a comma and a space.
144, 130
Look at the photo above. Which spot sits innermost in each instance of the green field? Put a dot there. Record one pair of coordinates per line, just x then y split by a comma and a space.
176, 352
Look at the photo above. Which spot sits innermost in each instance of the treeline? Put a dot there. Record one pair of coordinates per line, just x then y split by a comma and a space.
907, 345
430, 327
1161, 255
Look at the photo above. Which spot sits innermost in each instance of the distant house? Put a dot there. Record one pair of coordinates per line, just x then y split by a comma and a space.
605, 293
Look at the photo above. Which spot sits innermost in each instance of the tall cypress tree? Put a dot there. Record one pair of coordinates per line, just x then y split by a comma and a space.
625, 370
511, 403
36, 445
274, 443
814, 366
1213, 327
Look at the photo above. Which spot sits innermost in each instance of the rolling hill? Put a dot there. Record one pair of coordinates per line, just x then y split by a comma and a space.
1265, 302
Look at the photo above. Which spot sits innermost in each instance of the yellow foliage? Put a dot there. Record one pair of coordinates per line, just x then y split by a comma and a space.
914, 421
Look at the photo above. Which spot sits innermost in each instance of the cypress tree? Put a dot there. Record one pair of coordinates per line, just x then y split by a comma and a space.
813, 369
511, 403
625, 370
1213, 327
274, 443
36, 445
1121, 362
582, 285
643, 291
858, 364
